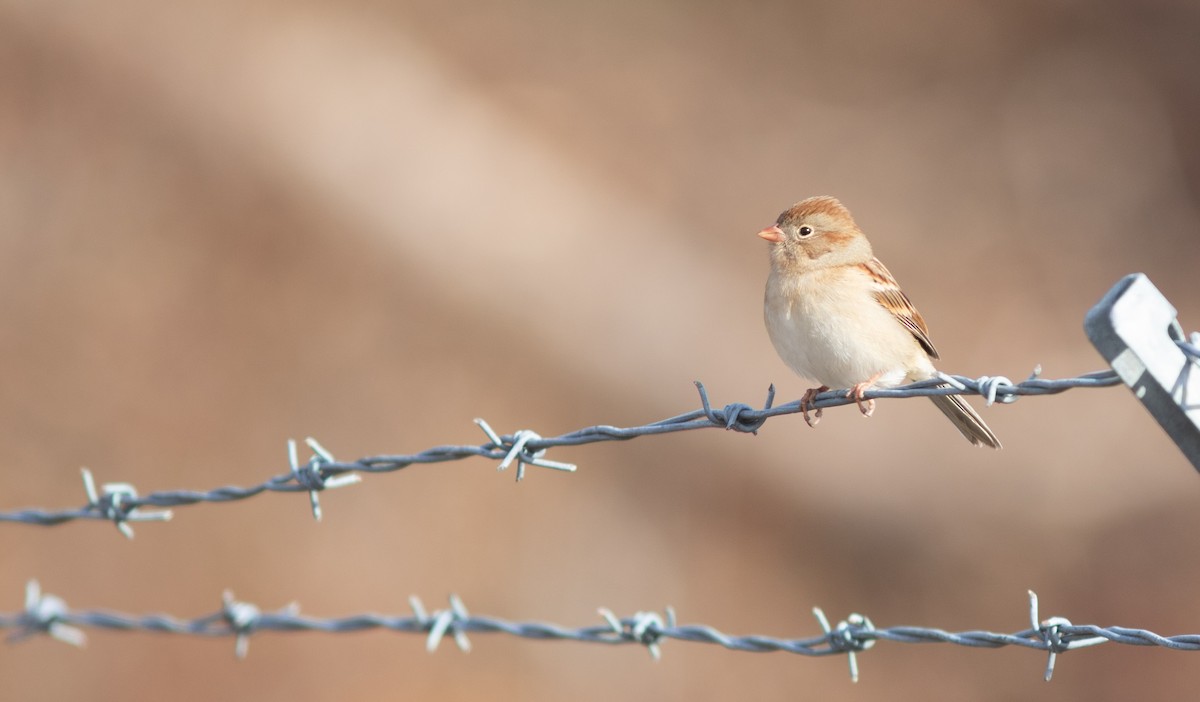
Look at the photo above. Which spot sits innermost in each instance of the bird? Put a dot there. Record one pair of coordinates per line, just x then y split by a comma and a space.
837, 316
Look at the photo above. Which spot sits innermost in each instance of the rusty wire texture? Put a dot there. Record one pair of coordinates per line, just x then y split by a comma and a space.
49, 615
121, 504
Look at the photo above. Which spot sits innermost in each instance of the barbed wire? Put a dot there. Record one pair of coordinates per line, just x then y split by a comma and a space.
121, 504
45, 614
49, 615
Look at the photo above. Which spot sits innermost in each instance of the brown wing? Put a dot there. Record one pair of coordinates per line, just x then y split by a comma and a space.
895, 301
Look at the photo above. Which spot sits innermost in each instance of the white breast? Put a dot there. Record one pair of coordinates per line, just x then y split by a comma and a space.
827, 325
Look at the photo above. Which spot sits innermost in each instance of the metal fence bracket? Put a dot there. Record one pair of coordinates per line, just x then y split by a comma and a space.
1135, 329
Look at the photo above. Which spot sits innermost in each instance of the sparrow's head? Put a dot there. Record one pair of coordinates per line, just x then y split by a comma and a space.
816, 233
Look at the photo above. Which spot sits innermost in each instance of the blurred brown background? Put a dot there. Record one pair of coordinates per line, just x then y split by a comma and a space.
225, 224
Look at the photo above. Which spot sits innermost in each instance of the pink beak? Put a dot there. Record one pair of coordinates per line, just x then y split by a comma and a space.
772, 234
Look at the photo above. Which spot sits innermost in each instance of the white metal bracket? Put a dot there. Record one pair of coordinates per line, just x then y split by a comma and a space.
1135, 329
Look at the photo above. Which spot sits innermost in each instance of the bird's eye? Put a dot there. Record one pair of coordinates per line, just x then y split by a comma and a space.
806, 231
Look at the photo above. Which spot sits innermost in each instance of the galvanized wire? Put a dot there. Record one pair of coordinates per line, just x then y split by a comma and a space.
49, 615
120, 503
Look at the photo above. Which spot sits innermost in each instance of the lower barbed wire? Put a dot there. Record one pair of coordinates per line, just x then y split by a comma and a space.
49, 615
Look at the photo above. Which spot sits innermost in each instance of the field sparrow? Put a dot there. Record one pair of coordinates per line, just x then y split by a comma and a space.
837, 316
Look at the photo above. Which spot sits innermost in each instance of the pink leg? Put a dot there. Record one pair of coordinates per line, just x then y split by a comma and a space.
867, 407
806, 402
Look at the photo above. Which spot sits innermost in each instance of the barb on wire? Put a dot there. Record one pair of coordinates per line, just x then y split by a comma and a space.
242, 619
120, 503
311, 477
645, 628
520, 440
47, 614
842, 637
44, 614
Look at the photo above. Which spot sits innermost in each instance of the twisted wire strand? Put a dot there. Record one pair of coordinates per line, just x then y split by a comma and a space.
120, 503
49, 615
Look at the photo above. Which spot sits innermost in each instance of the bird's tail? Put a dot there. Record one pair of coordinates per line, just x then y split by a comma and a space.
966, 420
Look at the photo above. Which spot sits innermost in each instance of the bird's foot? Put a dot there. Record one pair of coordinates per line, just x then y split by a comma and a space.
867, 407
806, 403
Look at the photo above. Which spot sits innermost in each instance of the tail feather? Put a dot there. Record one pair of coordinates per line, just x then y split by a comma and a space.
966, 420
